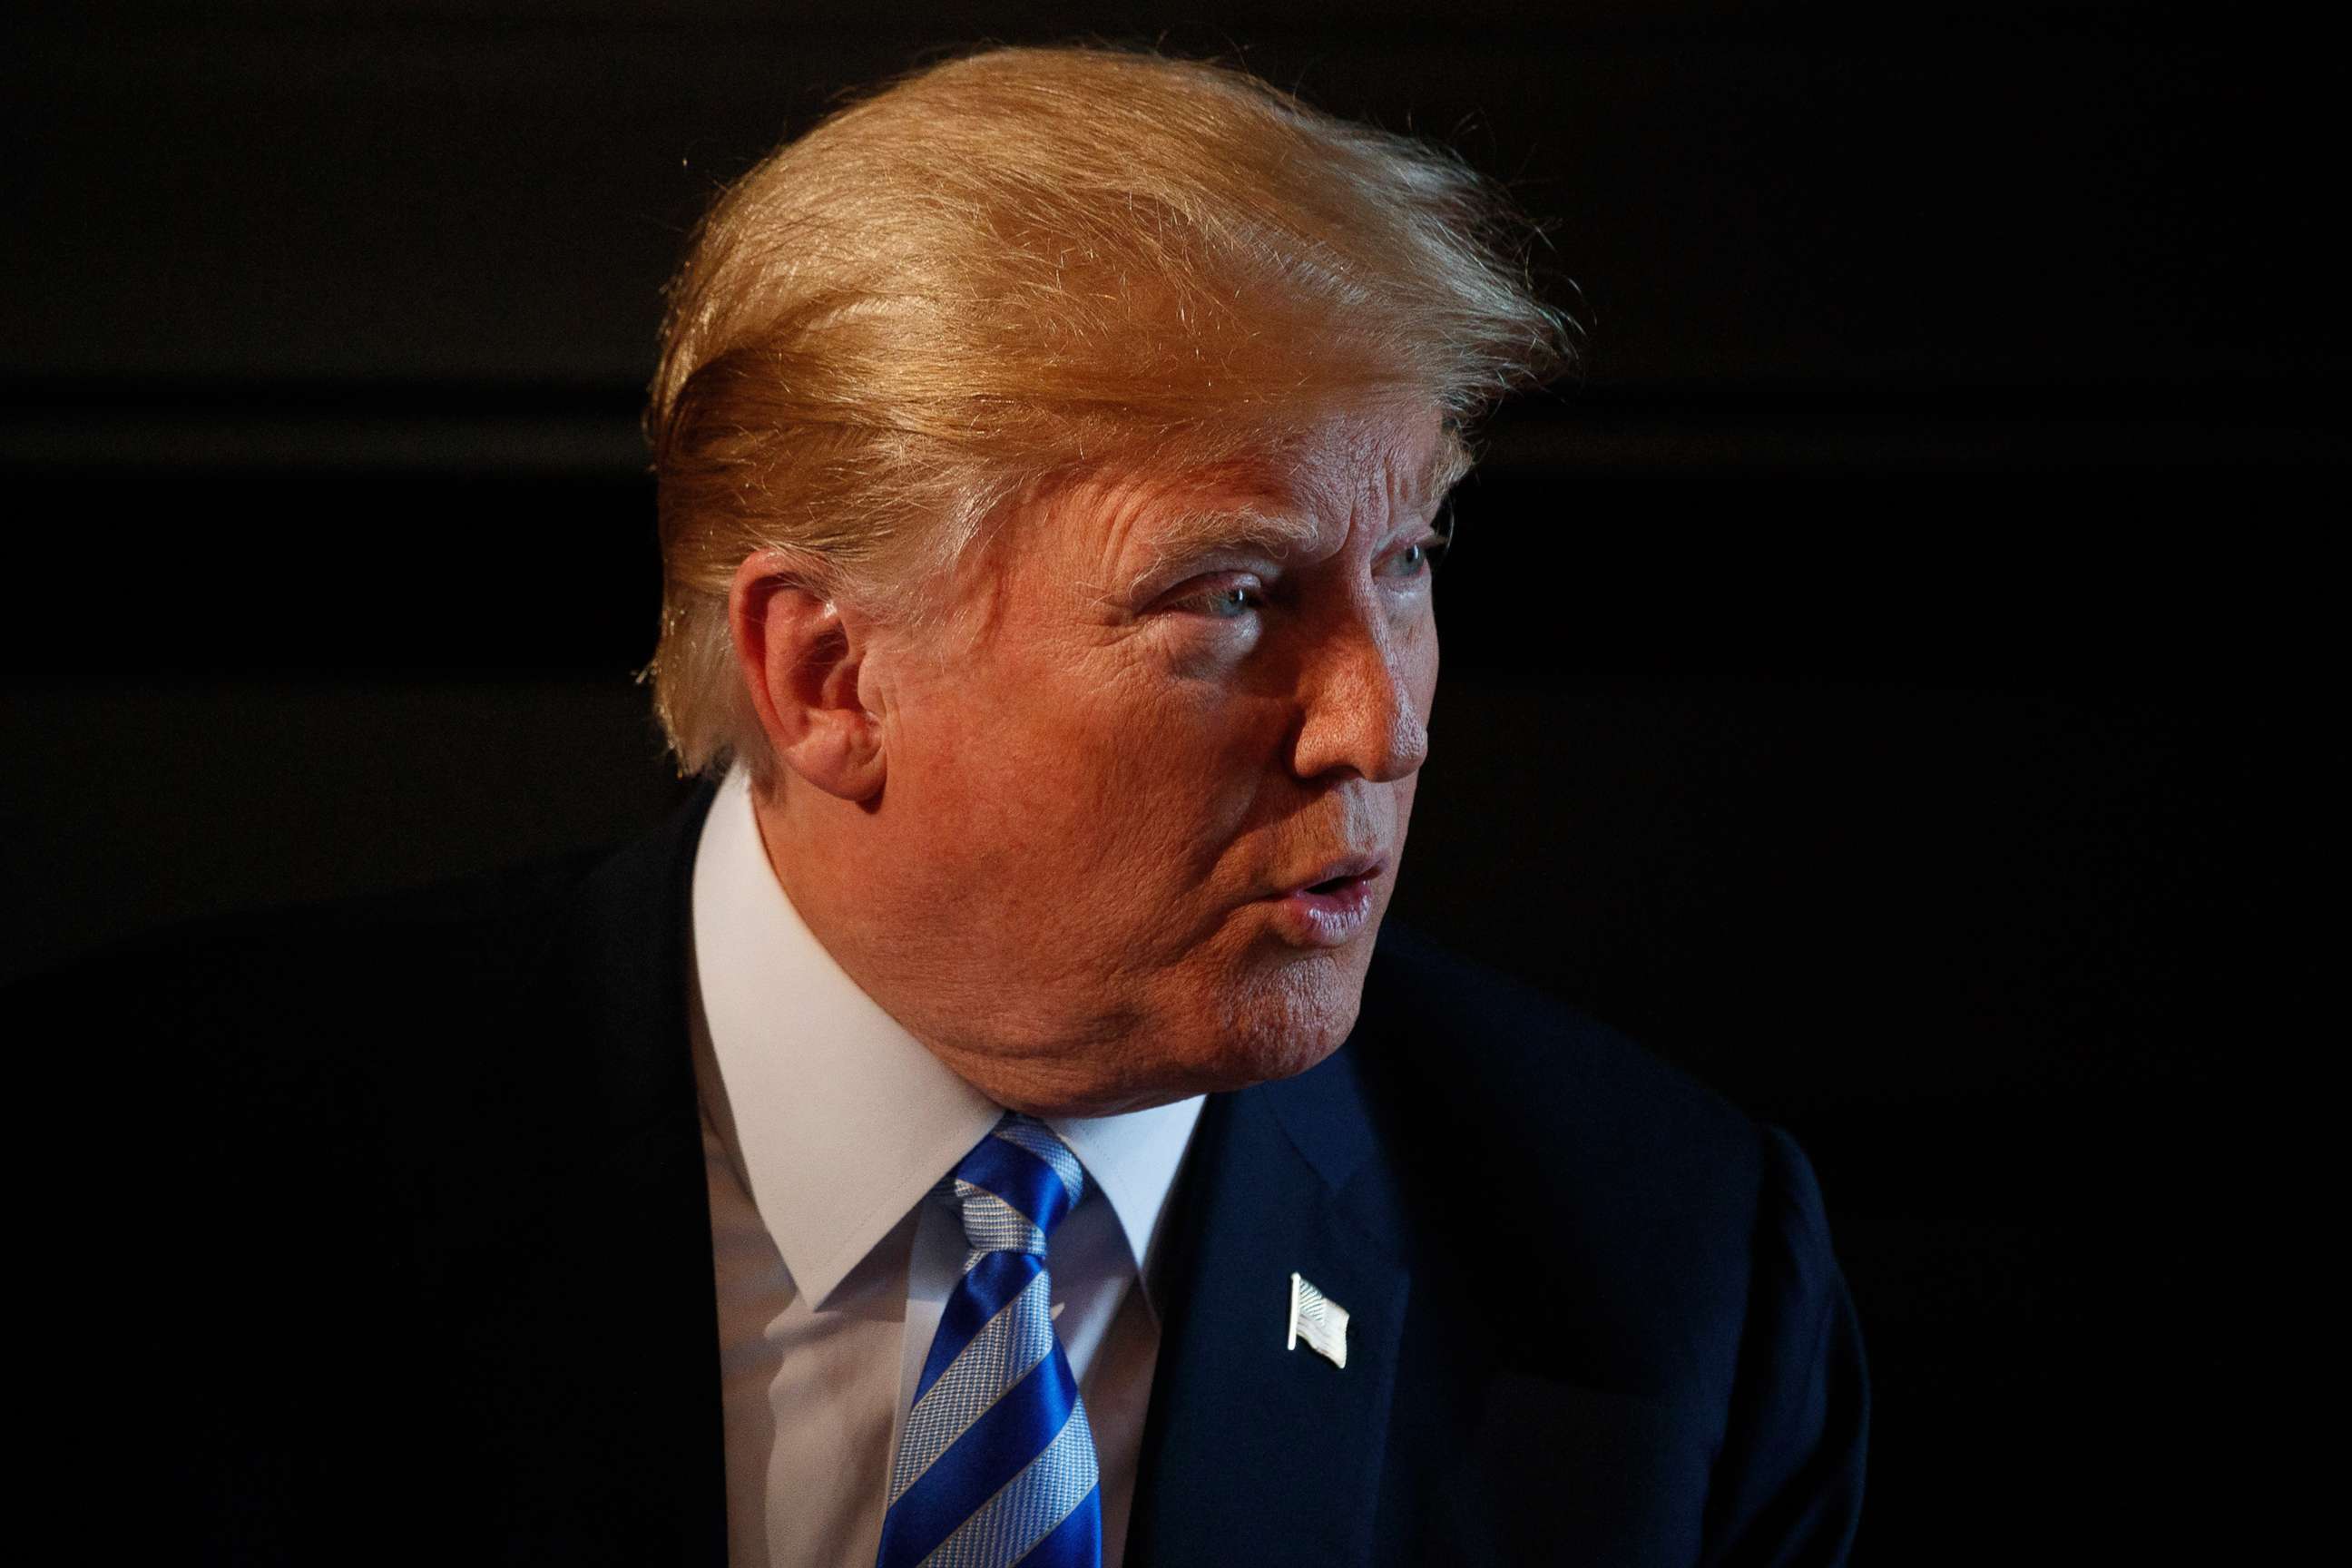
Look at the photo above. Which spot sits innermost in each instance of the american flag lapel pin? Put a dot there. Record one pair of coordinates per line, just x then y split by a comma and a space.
1319, 1320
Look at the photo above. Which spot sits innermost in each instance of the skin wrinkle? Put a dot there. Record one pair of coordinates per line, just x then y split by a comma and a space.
1090, 795
1276, 530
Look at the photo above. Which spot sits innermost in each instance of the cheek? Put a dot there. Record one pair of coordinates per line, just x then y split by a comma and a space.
1100, 792
1165, 778
1421, 651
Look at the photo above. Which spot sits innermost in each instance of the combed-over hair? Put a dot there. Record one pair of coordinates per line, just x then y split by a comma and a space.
1019, 264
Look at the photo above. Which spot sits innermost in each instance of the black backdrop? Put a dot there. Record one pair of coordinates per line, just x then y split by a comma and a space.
1879, 680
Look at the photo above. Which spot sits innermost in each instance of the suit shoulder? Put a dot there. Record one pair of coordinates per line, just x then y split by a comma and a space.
291, 1019
1469, 1036
254, 963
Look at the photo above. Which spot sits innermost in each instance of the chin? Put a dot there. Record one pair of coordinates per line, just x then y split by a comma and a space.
1289, 1020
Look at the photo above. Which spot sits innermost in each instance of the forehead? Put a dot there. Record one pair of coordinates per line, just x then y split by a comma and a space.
1291, 490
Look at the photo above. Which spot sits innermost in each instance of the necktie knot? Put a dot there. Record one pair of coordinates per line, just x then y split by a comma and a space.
1016, 1186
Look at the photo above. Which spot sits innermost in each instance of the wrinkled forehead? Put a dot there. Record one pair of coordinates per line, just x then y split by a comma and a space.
1393, 458
1299, 486
1362, 484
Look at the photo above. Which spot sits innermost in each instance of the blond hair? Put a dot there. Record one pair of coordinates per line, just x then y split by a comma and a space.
1020, 263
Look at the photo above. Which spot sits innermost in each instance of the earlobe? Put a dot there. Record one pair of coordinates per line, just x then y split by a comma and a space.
802, 660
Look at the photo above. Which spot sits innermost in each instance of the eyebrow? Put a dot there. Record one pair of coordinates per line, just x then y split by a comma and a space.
1237, 530
1243, 531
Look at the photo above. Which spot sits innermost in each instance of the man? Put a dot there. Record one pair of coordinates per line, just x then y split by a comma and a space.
1051, 452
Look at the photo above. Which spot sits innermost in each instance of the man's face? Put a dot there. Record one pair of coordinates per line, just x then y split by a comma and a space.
1150, 794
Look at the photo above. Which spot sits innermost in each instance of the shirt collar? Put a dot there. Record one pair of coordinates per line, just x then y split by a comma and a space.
843, 1119
1133, 1159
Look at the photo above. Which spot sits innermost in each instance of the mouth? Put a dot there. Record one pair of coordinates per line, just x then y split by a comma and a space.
1332, 905
1335, 877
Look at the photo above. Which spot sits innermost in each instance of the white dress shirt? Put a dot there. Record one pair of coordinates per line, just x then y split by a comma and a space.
826, 1125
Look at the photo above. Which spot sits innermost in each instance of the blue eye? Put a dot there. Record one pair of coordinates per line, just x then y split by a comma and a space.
1230, 604
1232, 600
1414, 560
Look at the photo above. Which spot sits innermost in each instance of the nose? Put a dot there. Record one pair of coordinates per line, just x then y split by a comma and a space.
1359, 698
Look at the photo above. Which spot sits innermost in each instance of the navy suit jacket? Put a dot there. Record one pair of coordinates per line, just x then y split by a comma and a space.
386, 1235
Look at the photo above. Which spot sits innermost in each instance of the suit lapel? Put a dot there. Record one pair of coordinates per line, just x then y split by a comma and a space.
1252, 1451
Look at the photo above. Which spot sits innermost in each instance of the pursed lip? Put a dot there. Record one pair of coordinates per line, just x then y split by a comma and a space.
1346, 868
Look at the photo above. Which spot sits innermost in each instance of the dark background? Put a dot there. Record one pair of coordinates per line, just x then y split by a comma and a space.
1884, 681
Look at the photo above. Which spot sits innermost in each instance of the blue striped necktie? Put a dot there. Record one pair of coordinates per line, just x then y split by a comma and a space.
996, 1465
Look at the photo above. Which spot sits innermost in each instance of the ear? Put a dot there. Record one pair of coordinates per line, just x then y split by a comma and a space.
801, 658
